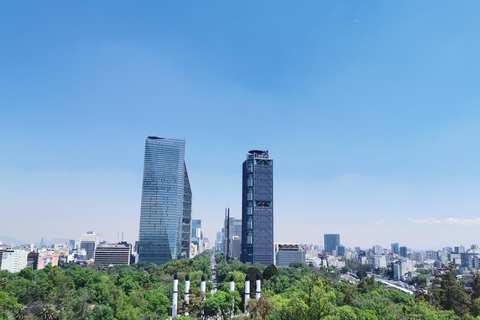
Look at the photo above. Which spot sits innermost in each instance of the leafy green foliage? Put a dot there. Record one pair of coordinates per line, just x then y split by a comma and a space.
269, 272
144, 292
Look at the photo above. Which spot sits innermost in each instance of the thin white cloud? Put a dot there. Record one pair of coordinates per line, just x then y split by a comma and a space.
380, 222
446, 221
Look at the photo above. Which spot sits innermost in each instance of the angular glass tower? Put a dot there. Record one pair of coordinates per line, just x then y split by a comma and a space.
257, 208
166, 211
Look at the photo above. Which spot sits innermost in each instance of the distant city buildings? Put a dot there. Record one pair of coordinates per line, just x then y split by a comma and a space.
340, 251
395, 248
233, 229
331, 241
377, 250
113, 254
198, 244
89, 242
166, 210
287, 253
218, 241
460, 249
14, 260
257, 208
196, 224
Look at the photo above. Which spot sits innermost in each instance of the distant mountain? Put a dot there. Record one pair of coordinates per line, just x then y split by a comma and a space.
9, 240
56, 241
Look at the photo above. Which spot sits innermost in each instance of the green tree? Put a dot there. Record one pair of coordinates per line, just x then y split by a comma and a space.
101, 313
448, 292
20, 312
298, 265
367, 285
422, 310
253, 272
49, 313
259, 309
157, 302
196, 305
269, 272
420, 280
220, 304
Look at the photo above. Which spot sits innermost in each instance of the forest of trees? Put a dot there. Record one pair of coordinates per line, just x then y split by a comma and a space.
145, 291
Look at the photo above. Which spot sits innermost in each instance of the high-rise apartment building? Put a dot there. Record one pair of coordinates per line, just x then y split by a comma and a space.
166, 212
331, 241
257, 208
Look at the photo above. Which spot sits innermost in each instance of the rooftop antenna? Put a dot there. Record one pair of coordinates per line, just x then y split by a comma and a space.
122, 236
227, 233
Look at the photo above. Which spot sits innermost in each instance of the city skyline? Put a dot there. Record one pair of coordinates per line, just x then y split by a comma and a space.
369, 110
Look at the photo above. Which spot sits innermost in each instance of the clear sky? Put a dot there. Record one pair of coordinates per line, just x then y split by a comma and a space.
370, 110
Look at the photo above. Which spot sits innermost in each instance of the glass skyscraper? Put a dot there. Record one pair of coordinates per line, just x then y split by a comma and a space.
166, 211
332, 241
257, 208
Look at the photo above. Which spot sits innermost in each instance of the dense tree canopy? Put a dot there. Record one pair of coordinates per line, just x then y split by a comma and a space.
145, 291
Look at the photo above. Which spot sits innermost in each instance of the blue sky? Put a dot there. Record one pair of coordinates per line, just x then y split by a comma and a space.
369, 110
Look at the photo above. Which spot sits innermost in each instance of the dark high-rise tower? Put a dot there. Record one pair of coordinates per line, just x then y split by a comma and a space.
166, 212
257, 208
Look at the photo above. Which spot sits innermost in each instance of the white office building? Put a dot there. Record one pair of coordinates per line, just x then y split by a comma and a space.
14, 260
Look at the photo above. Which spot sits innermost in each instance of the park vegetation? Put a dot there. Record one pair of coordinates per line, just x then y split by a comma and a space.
145, 291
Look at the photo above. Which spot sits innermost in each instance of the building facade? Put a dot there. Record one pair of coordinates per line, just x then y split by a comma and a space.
396, 248
341, 251
287, 253
89, 242
234, 231
113, 254
14, 260
377, 250
196, 224
166, 210
257, 208
331, 241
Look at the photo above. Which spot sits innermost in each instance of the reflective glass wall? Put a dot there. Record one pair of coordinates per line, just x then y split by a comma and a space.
257, 208
164, 202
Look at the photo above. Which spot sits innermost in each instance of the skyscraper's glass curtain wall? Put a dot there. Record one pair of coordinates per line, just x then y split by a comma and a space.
165, 213
257, 208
